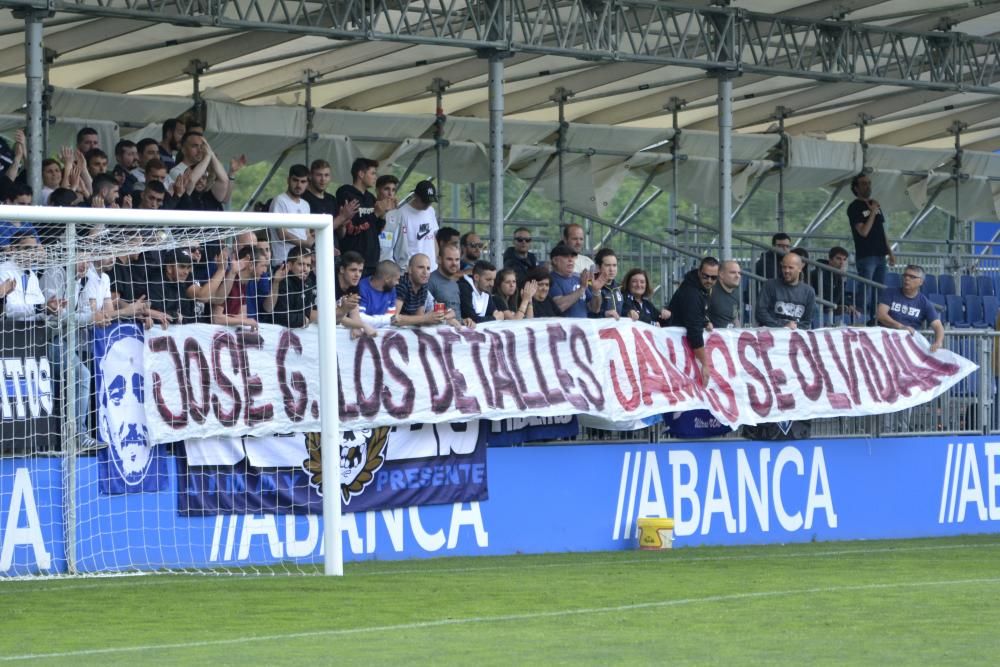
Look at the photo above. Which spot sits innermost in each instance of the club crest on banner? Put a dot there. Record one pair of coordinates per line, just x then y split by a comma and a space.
362, 453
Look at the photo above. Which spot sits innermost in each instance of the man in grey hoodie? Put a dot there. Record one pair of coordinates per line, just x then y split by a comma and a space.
787, 301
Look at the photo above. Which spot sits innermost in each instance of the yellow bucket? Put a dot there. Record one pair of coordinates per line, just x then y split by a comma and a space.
656, 533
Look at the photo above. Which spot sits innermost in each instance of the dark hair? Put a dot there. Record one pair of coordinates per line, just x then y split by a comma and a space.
169, 126
444, 235
155, 163
19, 236
642, 272
47, 161
465, 238
16, 189
245, 251
837, 250
144, 143
603, 254
705, 261
157, 187
95, 152
801, 252
349, 257
62, 197
102, 181
362, 164
86, 131
384, 180
515, 298
298, 252
522, 229
855, 181
188, 135
538, 273
482, 266
122, 145
780, 236
298, 171
319, 164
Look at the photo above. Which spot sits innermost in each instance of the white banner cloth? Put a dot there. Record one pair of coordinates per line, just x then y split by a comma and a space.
212, 381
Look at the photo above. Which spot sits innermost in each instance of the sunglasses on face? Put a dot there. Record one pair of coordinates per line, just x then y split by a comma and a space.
705, 276
474, 246
523, 239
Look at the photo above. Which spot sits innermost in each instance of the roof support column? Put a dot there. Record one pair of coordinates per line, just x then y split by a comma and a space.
195, 69
34, 59
725, 105
496, 154
438, 86
559, 97
310, 80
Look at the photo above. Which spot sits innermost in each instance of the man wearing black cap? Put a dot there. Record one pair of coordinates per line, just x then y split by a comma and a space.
418, 223
570, 291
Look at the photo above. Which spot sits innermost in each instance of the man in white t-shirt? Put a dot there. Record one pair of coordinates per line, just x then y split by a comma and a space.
291, 201
419, 224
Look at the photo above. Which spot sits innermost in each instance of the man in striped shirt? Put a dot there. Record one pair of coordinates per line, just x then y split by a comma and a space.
413, 303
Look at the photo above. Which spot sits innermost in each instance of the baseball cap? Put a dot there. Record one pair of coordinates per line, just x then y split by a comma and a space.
562, 250
426, 191
177, 256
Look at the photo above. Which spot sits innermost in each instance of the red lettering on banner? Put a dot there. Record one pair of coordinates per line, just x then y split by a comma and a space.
475, 339
846, 366
465, 404
393, 342
897, 370
632, 402
762, 406
922, 377
368, 404
533, 399
428, 345
859, 358
252, 385
797, 346
578, 340
197, 409
224, 340
776, 376
294, 393
503, 379
679, 383
651, 377
553, 396
558, 335
174, 420
730, 410
934, 366
838, 400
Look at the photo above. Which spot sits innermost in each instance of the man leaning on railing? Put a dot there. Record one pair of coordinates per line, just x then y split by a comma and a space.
908, 308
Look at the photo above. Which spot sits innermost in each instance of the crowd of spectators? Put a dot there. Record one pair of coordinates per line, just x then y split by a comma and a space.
397, 265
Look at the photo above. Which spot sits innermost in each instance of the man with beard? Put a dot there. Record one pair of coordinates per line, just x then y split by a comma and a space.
361, 233
689, 309
787, 301
292, 201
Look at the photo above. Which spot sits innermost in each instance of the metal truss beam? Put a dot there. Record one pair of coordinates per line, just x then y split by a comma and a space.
647, 31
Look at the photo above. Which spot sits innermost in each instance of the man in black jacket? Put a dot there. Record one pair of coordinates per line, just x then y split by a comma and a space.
689, 309
296, 304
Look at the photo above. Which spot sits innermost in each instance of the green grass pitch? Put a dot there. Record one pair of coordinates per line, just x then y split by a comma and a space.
886, 602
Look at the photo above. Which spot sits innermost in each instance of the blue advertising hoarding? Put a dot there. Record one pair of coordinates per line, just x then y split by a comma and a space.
545, 499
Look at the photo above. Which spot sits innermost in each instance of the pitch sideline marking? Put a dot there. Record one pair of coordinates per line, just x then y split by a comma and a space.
154, 579
504, 618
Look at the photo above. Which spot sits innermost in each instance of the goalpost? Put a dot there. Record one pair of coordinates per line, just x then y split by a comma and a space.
30, 542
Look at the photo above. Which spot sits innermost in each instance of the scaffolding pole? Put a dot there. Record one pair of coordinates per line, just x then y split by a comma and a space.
34, 59
726, 165
496, 155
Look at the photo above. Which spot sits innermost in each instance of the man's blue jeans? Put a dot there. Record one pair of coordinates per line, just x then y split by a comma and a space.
872, 268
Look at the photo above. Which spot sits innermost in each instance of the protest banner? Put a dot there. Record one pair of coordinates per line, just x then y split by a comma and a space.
209, 380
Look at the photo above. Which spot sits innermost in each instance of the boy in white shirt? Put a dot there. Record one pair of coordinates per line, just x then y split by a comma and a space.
419, 224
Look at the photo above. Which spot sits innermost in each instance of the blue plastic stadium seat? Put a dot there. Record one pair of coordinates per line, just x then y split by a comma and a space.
991, 308
946, 284
969, 285
996, 283
930, 285
974, 311
986, 286
938, 300
893, 279
956, 311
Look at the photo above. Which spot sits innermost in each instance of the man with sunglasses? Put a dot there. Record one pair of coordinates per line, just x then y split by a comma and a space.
518, 257
908, 308
472, 251
689, 309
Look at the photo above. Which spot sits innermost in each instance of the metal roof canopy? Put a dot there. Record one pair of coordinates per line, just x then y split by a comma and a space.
616, 62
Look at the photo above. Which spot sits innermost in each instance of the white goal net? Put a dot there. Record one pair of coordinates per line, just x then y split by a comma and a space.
161, 381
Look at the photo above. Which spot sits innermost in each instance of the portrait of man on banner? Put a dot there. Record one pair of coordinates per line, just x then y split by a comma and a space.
129, 462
